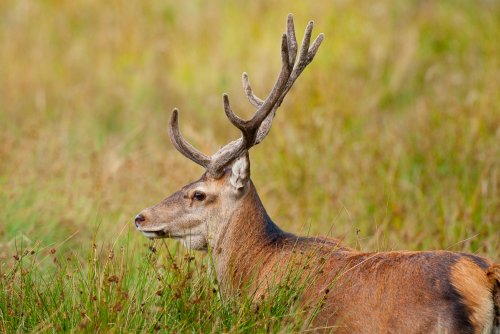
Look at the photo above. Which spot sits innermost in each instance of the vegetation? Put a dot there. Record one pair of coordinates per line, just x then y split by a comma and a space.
107, 293
391, 142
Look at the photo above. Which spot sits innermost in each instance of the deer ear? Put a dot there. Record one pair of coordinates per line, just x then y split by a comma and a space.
240, 171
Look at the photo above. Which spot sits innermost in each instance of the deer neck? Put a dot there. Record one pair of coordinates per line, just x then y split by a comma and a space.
246, 243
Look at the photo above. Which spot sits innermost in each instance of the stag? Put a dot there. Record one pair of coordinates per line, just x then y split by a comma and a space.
380, 292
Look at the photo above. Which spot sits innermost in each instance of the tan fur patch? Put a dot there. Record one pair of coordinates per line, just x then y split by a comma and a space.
473, 285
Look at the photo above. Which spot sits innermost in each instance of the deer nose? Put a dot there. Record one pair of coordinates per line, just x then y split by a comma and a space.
139, 219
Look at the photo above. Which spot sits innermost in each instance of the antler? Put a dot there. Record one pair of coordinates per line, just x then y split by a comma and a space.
254, 130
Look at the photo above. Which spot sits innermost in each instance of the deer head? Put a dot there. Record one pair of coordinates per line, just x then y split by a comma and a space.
198, 212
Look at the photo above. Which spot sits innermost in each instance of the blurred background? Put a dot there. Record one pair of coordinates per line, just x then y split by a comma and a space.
389, 140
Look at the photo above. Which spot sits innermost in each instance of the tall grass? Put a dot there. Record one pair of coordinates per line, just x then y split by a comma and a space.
389, 140
150, 290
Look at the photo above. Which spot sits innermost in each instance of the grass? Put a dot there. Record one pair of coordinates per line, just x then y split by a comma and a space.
114, 291
389, 140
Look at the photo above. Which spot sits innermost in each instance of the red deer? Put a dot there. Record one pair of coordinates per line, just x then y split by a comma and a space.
380, 292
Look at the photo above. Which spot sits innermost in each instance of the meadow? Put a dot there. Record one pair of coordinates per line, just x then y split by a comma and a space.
389, 140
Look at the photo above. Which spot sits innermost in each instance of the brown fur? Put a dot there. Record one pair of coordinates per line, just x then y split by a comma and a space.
400, 292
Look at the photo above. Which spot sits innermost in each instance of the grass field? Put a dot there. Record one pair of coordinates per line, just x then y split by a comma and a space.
390, 140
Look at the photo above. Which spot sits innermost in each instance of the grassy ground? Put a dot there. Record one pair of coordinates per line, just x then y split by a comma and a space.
389, 140
112, 292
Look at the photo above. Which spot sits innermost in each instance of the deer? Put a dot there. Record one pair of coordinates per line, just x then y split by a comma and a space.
362, 292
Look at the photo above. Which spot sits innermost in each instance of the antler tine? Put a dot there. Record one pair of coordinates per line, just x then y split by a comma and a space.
314, 47
254, 100
182, 145
235, 120
292, 40
306, 41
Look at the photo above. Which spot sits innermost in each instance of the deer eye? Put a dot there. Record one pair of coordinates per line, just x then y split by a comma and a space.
199, 195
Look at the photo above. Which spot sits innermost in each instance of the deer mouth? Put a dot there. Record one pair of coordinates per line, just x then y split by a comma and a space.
155, 234
160, 234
